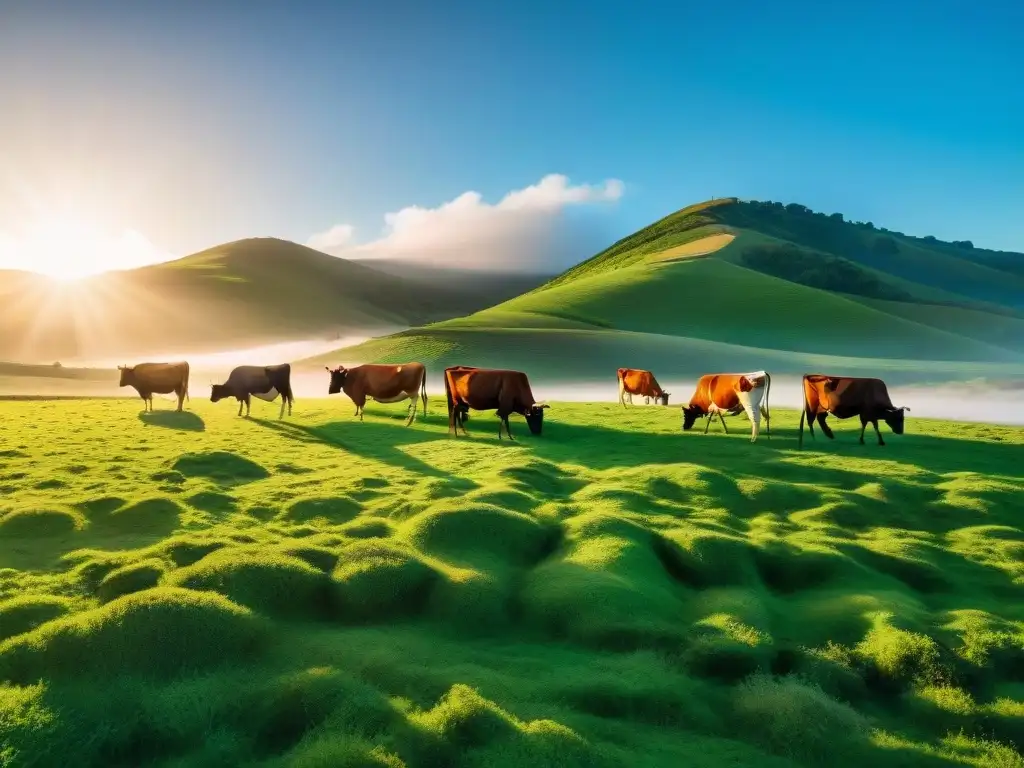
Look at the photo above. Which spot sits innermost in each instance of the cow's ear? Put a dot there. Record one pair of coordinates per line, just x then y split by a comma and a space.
326, 368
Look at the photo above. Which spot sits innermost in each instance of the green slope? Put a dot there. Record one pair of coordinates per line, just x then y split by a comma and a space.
672, 297
258, 290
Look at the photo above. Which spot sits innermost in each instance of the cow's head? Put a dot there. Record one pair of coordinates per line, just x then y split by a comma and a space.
690, 414
535, 417
894, 418
218, 392
127, 375
337, 379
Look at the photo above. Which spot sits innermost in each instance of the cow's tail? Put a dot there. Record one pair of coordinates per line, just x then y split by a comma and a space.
800, 443
186, 383
423, 389
767, 409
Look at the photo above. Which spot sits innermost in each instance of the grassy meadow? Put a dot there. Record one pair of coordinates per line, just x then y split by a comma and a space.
199, 589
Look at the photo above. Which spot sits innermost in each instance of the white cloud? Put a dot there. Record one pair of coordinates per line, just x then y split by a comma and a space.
524, 231
335, 237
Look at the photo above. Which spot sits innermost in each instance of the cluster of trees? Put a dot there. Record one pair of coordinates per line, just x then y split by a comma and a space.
820, 270
803, 210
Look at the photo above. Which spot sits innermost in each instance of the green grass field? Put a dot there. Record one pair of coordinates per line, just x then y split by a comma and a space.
198, 589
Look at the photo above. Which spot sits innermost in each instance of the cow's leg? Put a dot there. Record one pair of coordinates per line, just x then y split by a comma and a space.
825, 428
411, 410
707, 426
241, 403
248, 405
622, 393
877, 432
280, 413
181, 398
462, 419
722, 417
863, 426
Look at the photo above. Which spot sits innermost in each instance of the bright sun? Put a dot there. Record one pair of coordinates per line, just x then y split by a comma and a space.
65, 248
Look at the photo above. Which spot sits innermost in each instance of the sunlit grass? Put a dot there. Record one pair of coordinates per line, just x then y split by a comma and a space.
201, 589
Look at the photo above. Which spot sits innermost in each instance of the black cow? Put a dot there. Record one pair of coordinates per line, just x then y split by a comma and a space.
265, 382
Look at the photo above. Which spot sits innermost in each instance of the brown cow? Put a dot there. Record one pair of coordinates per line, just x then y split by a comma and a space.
846, 396
482, 389
633, 381
383, 383
159, 378
731, 393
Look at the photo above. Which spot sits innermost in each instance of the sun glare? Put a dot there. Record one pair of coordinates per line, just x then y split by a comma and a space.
64, 248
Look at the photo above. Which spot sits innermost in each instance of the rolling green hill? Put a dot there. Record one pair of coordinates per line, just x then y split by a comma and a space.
737, 285
258, 290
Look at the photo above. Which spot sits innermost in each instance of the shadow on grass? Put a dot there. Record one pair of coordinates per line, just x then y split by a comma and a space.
184, 420
601, 447
372, 440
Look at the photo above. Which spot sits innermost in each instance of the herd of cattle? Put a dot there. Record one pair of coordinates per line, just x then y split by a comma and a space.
508, 392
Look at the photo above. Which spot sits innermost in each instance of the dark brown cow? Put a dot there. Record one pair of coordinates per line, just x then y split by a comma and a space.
633, 381
263, 381
159, 378
383, 383
846, 396
731, 393
482, 389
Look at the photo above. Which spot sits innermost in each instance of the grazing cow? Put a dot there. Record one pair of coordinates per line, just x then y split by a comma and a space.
636, 382
730, 393
846, 396
482, 389
263, 381
383, 383
161, 378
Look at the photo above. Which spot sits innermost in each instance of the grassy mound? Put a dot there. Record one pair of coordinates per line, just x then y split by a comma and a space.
157, 632
134, 577
268, 582
40, 523
469, 532
23, 614
377, 580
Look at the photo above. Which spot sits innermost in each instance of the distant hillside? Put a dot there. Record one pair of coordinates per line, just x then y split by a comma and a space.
496, 286
258, 290
727, 284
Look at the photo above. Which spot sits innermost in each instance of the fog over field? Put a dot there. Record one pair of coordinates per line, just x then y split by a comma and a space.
993, 402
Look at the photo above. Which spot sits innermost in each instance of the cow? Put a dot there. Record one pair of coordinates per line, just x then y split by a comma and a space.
482, 389
263, 381
730, 393
846, 396
160, 378
383, 383
633, 381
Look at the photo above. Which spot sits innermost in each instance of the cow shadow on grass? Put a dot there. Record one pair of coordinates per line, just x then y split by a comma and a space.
373, 440
183, 420
602, 447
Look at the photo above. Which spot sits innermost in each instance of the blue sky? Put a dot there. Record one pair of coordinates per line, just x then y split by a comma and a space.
196, 123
